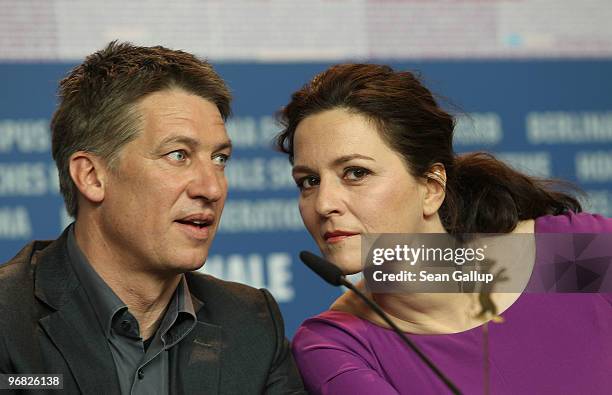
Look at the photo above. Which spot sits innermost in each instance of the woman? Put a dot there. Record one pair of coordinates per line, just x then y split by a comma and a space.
372, 153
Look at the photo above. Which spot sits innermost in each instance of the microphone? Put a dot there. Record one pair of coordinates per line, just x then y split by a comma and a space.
333, 275
326, 270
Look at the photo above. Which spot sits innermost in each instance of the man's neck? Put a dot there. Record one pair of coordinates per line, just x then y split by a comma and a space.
146, 293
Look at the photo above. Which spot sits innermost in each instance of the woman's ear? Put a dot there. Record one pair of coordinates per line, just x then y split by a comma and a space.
89, 174
435, 189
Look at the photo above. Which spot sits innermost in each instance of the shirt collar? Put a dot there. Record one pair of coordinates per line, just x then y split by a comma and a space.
178, 321
180, 317
102, 298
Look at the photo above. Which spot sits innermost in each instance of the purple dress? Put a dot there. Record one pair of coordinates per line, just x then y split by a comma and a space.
548, 344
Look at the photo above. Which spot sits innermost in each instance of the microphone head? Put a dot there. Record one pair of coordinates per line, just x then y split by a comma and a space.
325, 269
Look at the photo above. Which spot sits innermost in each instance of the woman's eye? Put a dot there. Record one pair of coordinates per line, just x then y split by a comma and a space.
221, 159
178, 155
355, 173
307, 182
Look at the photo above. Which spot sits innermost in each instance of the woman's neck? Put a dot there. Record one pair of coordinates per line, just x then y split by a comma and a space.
420, 313
431, 313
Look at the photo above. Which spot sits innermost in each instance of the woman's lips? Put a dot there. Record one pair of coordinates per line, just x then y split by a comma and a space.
337, 236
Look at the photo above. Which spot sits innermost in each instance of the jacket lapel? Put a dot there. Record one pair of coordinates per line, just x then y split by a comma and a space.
196, 362
73, 327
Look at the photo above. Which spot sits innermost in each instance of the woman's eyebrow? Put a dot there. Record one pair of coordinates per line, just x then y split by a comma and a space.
348, 158
336, 162
301, 169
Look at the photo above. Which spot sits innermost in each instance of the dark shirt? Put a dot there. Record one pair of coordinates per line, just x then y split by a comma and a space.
142, 365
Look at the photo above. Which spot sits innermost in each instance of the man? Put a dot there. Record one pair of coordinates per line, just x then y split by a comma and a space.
113, 304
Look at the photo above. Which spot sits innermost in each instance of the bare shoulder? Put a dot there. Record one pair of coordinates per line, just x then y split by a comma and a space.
526, 226
350, 303
346, 303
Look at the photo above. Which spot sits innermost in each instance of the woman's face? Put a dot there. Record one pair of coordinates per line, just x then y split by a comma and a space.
352, 183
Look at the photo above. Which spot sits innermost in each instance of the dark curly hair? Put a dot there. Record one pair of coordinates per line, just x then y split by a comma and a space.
482, 193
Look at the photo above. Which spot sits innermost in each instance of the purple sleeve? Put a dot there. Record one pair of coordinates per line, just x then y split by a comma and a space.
334, 358
576, 223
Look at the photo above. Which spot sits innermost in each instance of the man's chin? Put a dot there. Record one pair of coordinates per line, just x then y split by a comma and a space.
190, 263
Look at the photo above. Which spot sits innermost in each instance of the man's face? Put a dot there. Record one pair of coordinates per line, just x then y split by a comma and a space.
163, 201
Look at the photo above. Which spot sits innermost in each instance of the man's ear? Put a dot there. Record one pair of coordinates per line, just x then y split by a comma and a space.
89, 174
435, 189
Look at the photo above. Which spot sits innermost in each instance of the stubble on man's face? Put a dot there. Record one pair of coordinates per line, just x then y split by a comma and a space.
164, 199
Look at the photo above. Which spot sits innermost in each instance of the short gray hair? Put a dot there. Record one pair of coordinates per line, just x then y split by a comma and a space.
97, 111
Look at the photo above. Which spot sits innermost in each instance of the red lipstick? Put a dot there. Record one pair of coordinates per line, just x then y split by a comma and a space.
337, 236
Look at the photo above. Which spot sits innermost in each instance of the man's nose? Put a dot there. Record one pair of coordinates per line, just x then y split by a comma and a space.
208, 183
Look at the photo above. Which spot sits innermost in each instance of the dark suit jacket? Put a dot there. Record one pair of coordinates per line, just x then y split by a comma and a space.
47, 325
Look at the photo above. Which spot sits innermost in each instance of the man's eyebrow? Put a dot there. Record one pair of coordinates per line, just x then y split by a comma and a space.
180, 139
338, 161
192, 143
224, 145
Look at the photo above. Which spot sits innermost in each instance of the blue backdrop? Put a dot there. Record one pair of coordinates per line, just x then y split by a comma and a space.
550, 118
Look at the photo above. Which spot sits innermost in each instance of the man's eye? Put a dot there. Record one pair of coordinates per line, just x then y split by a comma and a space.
221, 159
307, 182
355, 173
178, 155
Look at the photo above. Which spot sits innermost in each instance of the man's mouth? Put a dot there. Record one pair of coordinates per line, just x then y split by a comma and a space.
197, 226
198, 223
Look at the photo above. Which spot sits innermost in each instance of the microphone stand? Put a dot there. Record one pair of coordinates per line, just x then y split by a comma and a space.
333, 275
406, 340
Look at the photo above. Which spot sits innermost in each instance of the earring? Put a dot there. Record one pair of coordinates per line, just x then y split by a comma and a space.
437, 176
